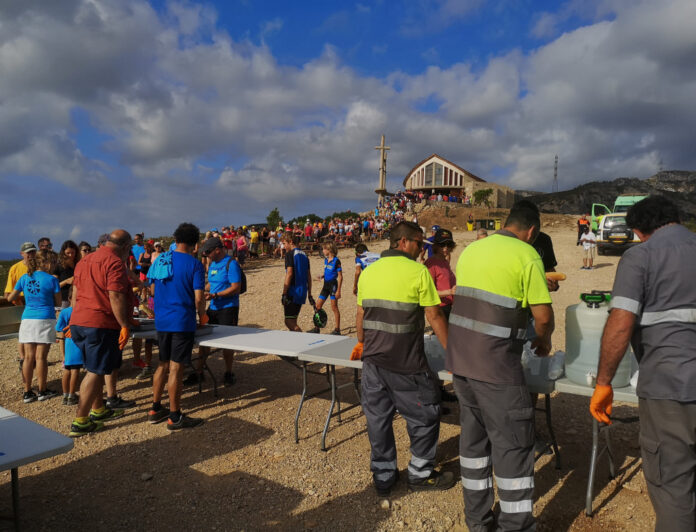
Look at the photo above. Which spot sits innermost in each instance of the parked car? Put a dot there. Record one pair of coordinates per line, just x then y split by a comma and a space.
614, 235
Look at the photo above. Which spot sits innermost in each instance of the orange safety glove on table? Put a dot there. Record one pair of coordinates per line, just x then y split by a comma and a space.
357, 352
123, 337
600, 404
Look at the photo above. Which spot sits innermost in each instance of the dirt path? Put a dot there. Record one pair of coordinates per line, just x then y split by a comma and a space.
242, 470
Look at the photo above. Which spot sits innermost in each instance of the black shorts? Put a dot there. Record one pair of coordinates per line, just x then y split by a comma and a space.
329, 289
74, 366
100, 347
292, 311
175, 346
224, 316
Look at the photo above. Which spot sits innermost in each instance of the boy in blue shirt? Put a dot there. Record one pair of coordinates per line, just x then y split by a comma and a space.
224, 286
333, 280
74, 359
179, 283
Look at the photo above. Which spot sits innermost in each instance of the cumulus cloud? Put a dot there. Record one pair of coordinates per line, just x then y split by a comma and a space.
194, 120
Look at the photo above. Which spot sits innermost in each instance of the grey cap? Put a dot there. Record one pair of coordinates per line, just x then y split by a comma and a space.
211, 244
27, 246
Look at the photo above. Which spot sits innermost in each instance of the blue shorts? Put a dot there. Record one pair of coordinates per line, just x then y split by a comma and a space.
100, 347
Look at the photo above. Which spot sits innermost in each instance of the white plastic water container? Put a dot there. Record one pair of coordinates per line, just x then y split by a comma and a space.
584, 326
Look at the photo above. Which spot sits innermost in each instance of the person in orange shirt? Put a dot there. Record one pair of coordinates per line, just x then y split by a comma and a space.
582, 223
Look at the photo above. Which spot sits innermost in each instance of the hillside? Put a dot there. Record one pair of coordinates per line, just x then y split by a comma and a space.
679, 186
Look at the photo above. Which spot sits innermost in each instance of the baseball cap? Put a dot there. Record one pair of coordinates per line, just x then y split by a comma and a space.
158, 244
27, 246
443, 236
211, 244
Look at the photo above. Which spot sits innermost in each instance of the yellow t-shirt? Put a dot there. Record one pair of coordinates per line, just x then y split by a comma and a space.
254, 237
16, 271
506, 266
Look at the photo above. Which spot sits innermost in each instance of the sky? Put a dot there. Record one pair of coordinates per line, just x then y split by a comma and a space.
142, 114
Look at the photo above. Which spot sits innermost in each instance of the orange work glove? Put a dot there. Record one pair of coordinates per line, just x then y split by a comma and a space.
600, 404
203, 320
66, 332
357, 352
123, 337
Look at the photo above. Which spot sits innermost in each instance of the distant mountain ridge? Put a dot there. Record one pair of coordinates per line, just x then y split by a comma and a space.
677, 185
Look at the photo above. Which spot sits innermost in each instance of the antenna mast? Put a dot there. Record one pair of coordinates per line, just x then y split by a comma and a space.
554, 186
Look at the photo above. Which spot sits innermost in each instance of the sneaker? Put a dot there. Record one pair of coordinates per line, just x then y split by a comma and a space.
107, 414
157, 416
65, 398
384, 490
336, 332
229, 378
437, 481
29, 397
72, 399
194, 378
80, 429
314, 330
145, 374
116, 403
140, 363
184, 422
47, 394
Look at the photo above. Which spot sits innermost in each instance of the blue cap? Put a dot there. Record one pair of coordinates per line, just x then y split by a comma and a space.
216, 230
436, 228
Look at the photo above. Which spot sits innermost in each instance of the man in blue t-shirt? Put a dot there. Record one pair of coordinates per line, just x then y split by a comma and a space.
428, 243
178, 297
298, 282
137, 249
224, 286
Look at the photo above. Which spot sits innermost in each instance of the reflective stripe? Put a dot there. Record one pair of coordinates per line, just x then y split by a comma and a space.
420, 462
385, 475
521, 483
395, 328
625, 303
477, 485
479, 326
518, 507
412, 471
390, 305
389, 464
488, 297
474, 463
680, 315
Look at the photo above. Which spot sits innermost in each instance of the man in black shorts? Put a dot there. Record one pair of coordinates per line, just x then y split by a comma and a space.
224, 286
179, 283
298, 281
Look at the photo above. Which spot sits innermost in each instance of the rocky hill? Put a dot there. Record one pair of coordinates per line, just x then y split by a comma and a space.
679, 186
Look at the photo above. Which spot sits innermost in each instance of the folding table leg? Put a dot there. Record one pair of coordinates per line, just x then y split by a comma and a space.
549, 424
593, 467
302, 399
338, 397
15, 496
212, 377
332, 380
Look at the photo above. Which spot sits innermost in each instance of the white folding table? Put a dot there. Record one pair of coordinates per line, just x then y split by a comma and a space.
23, 442
626, 395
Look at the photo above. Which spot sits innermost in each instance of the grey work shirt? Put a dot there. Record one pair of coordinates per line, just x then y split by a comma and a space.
655, 281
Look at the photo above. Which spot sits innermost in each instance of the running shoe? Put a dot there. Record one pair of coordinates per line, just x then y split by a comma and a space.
107, 415
437, 481
140, 363
80, 429
314, 330
47, 394
118, 403
145, 374
336, 332
184, 422
29, 397
229, 378
72, 399
157, 416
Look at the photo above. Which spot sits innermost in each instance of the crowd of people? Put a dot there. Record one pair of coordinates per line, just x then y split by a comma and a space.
482, 312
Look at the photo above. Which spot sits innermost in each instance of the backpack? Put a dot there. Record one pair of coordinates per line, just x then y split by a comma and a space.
243, 282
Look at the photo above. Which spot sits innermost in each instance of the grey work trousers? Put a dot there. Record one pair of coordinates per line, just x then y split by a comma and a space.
668, 448
497, 434
417, 399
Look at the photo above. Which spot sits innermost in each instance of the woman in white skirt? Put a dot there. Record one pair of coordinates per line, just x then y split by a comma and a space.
37, 330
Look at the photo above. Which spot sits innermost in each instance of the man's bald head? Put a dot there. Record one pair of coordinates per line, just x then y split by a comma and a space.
120, 239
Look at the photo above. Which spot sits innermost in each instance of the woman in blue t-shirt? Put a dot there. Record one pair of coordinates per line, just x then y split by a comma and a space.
37, 330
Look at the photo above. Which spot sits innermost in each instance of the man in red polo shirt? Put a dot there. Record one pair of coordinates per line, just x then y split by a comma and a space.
100, 322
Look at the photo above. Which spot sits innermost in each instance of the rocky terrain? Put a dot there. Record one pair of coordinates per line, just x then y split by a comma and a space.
679, 186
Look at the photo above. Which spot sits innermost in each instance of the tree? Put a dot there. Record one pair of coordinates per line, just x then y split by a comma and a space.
274, 218
483, 197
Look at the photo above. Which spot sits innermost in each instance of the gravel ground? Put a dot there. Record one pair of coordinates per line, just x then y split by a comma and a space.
242, 470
